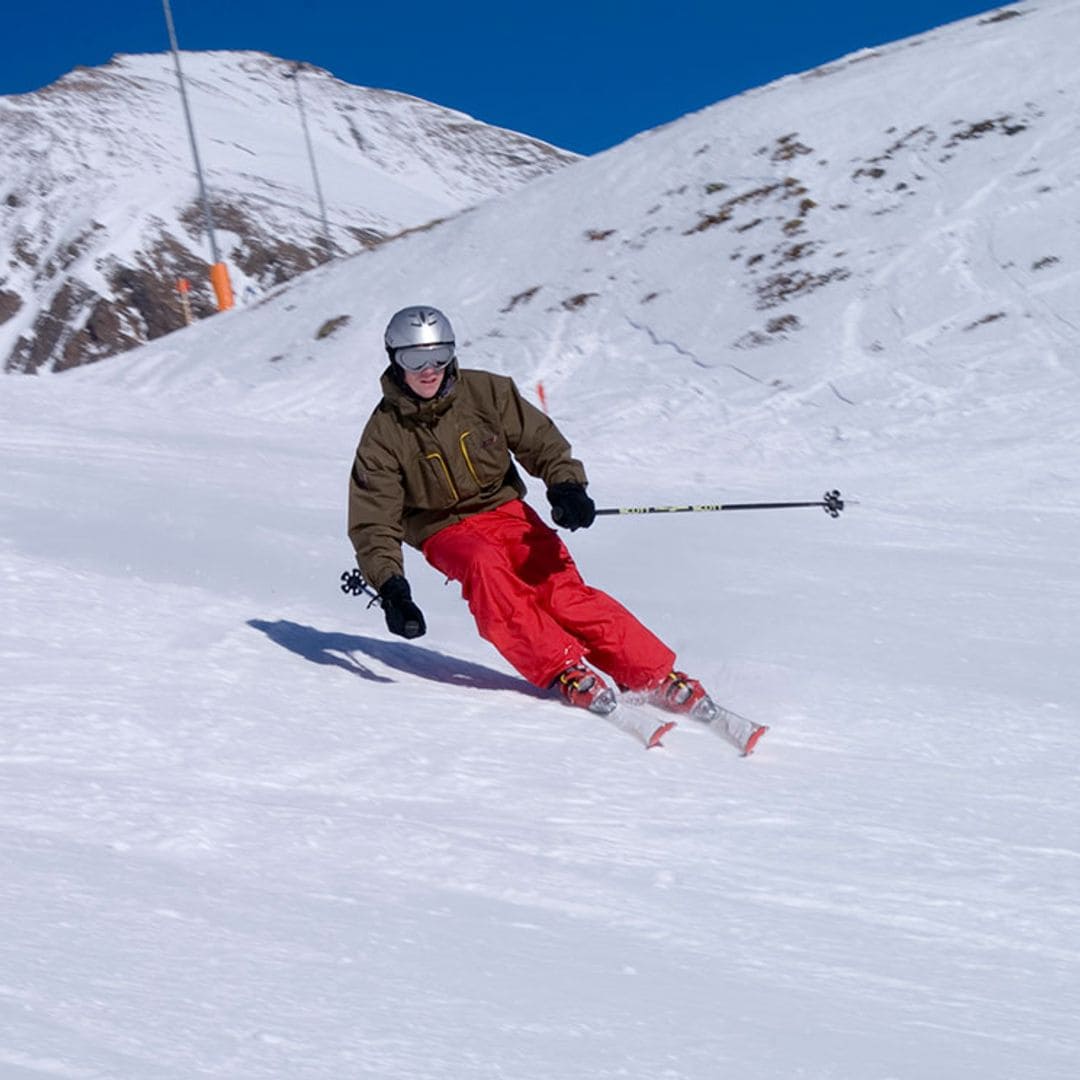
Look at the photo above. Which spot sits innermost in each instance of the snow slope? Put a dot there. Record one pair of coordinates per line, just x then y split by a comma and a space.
247, 833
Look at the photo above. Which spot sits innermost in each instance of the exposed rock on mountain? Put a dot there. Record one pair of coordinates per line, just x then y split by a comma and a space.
99, 207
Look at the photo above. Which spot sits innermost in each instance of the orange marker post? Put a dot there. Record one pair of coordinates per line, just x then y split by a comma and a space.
219, 278
183, 287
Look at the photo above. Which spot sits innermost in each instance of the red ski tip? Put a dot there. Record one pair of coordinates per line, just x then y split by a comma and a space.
755, 736
659, 733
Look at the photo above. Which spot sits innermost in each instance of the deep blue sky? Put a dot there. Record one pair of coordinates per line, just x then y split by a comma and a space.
584, 75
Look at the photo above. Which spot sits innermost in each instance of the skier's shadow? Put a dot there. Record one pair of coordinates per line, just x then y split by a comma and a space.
342, 650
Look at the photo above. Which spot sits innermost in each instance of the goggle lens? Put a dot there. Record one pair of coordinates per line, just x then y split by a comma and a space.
419, 357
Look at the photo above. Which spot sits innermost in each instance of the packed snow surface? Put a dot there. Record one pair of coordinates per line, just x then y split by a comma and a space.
246, 833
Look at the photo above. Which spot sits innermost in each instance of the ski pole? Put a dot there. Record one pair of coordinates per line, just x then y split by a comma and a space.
832, 503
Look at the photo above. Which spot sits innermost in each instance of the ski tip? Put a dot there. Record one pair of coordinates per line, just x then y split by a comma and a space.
755, 738
659, 733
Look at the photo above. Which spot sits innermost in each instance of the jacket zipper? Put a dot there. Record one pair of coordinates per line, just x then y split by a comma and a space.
468, 460
436, 456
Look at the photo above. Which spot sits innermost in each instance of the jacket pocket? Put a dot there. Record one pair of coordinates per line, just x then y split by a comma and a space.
437, 485
486, 457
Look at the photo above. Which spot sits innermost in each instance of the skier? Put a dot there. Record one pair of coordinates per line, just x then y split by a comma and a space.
433, 469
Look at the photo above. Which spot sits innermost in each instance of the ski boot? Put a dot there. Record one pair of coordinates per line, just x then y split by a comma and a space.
678, 693
584, 689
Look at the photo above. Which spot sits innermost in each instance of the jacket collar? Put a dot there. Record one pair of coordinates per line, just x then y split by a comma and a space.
408, 406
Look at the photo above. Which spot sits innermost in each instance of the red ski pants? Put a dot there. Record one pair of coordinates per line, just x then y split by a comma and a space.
530, 601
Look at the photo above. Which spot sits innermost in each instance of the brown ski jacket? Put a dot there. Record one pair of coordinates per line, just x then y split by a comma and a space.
423, 465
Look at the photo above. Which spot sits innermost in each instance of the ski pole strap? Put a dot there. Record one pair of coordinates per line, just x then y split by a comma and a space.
832, 503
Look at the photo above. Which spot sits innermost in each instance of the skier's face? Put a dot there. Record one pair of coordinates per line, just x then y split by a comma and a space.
425, 384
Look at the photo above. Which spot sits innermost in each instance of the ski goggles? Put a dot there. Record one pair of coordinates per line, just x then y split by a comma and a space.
419, 357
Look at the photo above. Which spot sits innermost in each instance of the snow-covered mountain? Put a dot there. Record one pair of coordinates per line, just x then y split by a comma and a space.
809, 248
100, 212
246, 833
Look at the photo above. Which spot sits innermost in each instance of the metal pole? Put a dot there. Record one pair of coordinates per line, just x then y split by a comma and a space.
311, 154
207, 212
831, 502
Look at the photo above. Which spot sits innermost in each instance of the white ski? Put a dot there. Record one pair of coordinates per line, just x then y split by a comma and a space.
730, 725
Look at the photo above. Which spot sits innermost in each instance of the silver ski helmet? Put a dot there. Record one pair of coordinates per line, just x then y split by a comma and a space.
417, 333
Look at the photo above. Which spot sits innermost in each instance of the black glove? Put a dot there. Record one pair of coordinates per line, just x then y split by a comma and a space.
571, 507
403, 617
